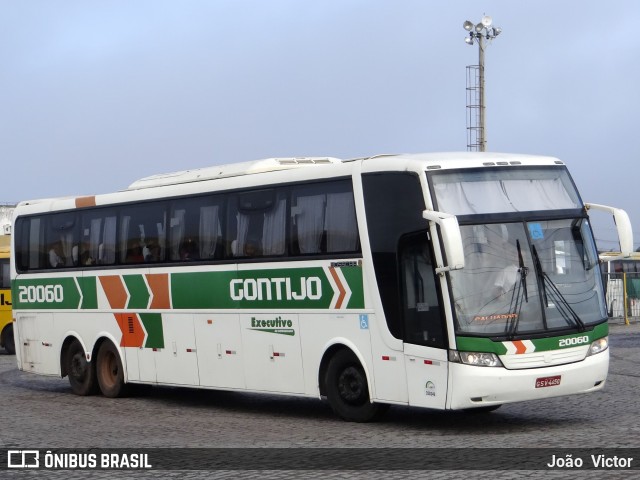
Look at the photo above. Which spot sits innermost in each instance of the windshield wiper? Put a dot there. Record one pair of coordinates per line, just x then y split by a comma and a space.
560, 302
520, 287
523, 272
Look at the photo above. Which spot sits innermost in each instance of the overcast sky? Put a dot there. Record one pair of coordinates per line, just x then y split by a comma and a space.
96, 94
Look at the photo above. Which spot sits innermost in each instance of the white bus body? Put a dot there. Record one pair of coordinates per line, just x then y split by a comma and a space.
447, 281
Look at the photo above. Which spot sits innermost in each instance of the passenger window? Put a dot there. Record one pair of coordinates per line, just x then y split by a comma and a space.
258, 220
30, 249
324, 219
142, 233
98, 239
195, 229
62, 241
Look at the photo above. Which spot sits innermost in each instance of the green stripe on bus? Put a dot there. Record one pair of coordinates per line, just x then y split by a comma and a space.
153, 325
89, 293
353, 276
478, 344
277, 288
47, 293
201, 290
138, 291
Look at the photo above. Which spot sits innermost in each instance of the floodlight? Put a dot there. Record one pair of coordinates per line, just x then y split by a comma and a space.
486, 21
469, 40
468, 26
497, 31
479, 27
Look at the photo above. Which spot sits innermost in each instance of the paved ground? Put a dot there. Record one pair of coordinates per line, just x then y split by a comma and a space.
40, 412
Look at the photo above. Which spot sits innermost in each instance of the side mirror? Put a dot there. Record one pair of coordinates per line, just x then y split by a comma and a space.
451, 239
623, 226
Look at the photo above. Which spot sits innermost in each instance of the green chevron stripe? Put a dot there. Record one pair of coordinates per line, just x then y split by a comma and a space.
138, 291
152, 323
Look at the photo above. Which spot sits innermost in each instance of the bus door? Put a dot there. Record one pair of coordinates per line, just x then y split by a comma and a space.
273, 357
220, 351
177, 362
424, 333
36, 352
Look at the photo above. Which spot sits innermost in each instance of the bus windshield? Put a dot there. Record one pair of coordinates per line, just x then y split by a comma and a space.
527, 277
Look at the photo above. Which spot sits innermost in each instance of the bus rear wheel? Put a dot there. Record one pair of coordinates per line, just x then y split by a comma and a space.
81, 373
348, 390
8, 341
109, 371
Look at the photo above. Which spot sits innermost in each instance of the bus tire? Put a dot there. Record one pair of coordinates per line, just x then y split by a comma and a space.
8, 340
109, 371
348, 390
81, 373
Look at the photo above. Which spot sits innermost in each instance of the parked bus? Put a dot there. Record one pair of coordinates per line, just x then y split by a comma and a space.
6, 319
446, 281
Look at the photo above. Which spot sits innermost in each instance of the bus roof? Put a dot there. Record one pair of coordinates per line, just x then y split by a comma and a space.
307, 167
231, 170
432, 161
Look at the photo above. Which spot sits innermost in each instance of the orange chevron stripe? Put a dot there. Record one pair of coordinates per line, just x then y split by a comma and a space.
159, 286
343, 292
115, 291
520, 347
132, 332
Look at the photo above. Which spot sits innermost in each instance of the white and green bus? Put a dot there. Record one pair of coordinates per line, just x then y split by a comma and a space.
446, 281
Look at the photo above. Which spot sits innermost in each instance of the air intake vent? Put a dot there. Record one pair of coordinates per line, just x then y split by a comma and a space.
304, 161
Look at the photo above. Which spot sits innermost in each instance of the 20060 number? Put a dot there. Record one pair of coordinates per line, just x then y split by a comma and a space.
566, 342
41, 294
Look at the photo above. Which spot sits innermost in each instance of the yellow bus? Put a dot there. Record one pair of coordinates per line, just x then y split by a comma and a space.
6, 324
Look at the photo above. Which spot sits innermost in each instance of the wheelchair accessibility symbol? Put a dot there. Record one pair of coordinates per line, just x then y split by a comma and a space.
364, 322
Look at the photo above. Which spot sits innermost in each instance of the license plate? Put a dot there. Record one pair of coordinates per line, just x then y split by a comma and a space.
548, 381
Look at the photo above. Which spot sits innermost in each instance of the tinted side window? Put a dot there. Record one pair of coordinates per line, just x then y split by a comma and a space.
62, 240
195, 229
29, 236
141, 227
257, 223
98, 237
293, 220
423, 322
394, 206
324, 219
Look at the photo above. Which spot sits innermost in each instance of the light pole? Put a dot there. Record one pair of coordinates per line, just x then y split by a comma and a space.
481, 33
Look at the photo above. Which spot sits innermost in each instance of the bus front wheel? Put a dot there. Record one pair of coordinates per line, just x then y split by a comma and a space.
81, 373
348, 390
109, 371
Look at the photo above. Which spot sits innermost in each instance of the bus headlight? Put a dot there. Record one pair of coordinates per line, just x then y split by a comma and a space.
479, 359
599, 346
